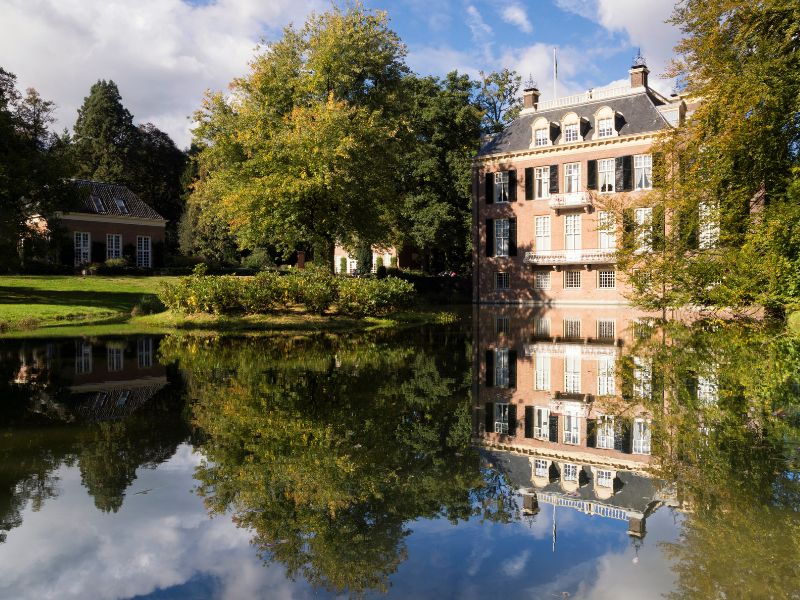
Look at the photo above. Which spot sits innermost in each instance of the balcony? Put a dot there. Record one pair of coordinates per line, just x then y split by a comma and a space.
570, 200
592, 256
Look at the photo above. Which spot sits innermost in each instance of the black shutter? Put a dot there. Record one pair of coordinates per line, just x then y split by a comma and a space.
489, 188
553, 179
489, 237
489, 368
553, 428
690, 383
628, 229
488, 417
591, 175
622, 435
591, 433
688, 221
528, 421
619, 174
512, 186
512, 237
626, 375
512, 369
528, 183
512, 420
659, 228
627, 173
659, 170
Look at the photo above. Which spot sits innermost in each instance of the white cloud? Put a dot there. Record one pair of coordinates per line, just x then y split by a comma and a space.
163, 54
440, 60
515, 566
537, 61
516, 15
482, 33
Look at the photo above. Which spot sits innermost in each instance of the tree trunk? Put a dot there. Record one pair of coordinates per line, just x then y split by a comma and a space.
323, 253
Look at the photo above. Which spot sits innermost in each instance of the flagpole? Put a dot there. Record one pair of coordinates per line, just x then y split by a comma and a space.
555, 74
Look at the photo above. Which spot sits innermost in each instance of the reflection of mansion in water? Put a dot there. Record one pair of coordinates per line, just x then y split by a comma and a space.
562, 411
105, 379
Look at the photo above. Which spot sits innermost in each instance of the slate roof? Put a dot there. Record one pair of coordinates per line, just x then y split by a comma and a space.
639, 115
107, 194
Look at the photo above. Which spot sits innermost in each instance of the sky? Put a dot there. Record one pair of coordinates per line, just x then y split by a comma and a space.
164, 54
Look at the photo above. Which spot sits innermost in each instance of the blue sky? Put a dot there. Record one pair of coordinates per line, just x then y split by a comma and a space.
164, 54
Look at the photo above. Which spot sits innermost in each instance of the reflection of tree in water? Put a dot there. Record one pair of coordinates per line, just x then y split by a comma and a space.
729, 427
326, 447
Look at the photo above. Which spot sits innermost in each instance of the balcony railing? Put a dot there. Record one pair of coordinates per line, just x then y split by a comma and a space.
591, 256
570, 200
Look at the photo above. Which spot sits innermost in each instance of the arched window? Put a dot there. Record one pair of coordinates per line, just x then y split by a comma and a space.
605, 123
541, 133
571, 129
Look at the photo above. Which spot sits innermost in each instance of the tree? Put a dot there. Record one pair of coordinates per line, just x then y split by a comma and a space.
499, 98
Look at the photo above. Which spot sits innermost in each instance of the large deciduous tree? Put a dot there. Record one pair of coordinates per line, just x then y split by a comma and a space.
499, 99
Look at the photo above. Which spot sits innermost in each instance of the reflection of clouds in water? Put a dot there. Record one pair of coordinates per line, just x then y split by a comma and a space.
515, 566
157, 540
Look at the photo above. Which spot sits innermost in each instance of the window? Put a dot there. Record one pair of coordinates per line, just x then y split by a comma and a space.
542, 137
501, 325
352, 265
98, 204
542, 233
643, 171
605, 127
501, 281
572, 232
541, 468
541, 423
113, 246
605, 329
642, 379
541, 327
121, 205
541, 176
572, 372
144, 352
572, 328
571, 133
606, 280
644, 219
641, 437
83, 248
501, 237
605, 478
572, 280
709, 227
607, 236
144, 251
542, 280
570, 472
707, 390
605, 376
501, 186
83, 358
114, 356
542, 378
501, 367
501, 418
571, 433
122, 399
605, 432
572, 177
605, 175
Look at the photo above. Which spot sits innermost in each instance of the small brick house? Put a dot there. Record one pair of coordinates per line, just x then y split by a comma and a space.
111, 222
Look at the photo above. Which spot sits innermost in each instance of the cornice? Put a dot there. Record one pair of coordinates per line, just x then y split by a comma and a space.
127, 220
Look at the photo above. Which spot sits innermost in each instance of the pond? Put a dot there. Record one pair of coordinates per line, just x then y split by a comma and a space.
580, 452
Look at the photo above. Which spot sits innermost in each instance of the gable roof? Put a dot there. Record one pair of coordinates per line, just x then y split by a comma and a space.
107, 195
638, 111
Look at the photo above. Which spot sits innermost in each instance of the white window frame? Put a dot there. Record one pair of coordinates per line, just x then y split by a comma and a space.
606, 329
572, 177
501, 368
541, 327
572, 429
606, 379
541, 136
607, 231
606, 175
144, 251
707, 389
643, 217
573, 364
572, 280
501, 417
605, 127
82, 247
541, 280
543, 233
572, 133
113, 246
541, 423
501, 187
542, 374
570, 472
643, 172
114, 359
144, 352
607, 279
541, 467
83, 358
642, 379
573, 236
572, 328
641, 436
541, 178
501, 280
501, 237
604, 478
709, 227
605, 432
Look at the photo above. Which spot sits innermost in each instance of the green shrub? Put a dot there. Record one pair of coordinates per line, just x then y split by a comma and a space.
371, 297
380, 272
343, 265
148, 305
4, 326
28, 323
264, 293
315, 287
204, 293
378, 262
258, 260
393, 262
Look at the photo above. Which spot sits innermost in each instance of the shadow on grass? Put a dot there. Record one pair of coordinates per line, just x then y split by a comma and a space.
116, 301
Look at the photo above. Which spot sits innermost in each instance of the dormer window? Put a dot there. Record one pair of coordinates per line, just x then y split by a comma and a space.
571, 133
605, 127
98, 204
122, 205
542, 137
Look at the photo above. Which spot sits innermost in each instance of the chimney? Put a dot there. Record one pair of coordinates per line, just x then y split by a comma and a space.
639, 72
530, 94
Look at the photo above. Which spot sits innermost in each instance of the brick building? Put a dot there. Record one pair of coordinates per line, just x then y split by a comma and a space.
541, 233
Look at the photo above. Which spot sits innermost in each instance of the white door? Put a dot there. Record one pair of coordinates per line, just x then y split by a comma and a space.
83, 245
572, 236
144, 252
542, 233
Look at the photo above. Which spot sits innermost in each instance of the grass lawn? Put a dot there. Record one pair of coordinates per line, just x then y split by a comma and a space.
53, 299
794, 321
